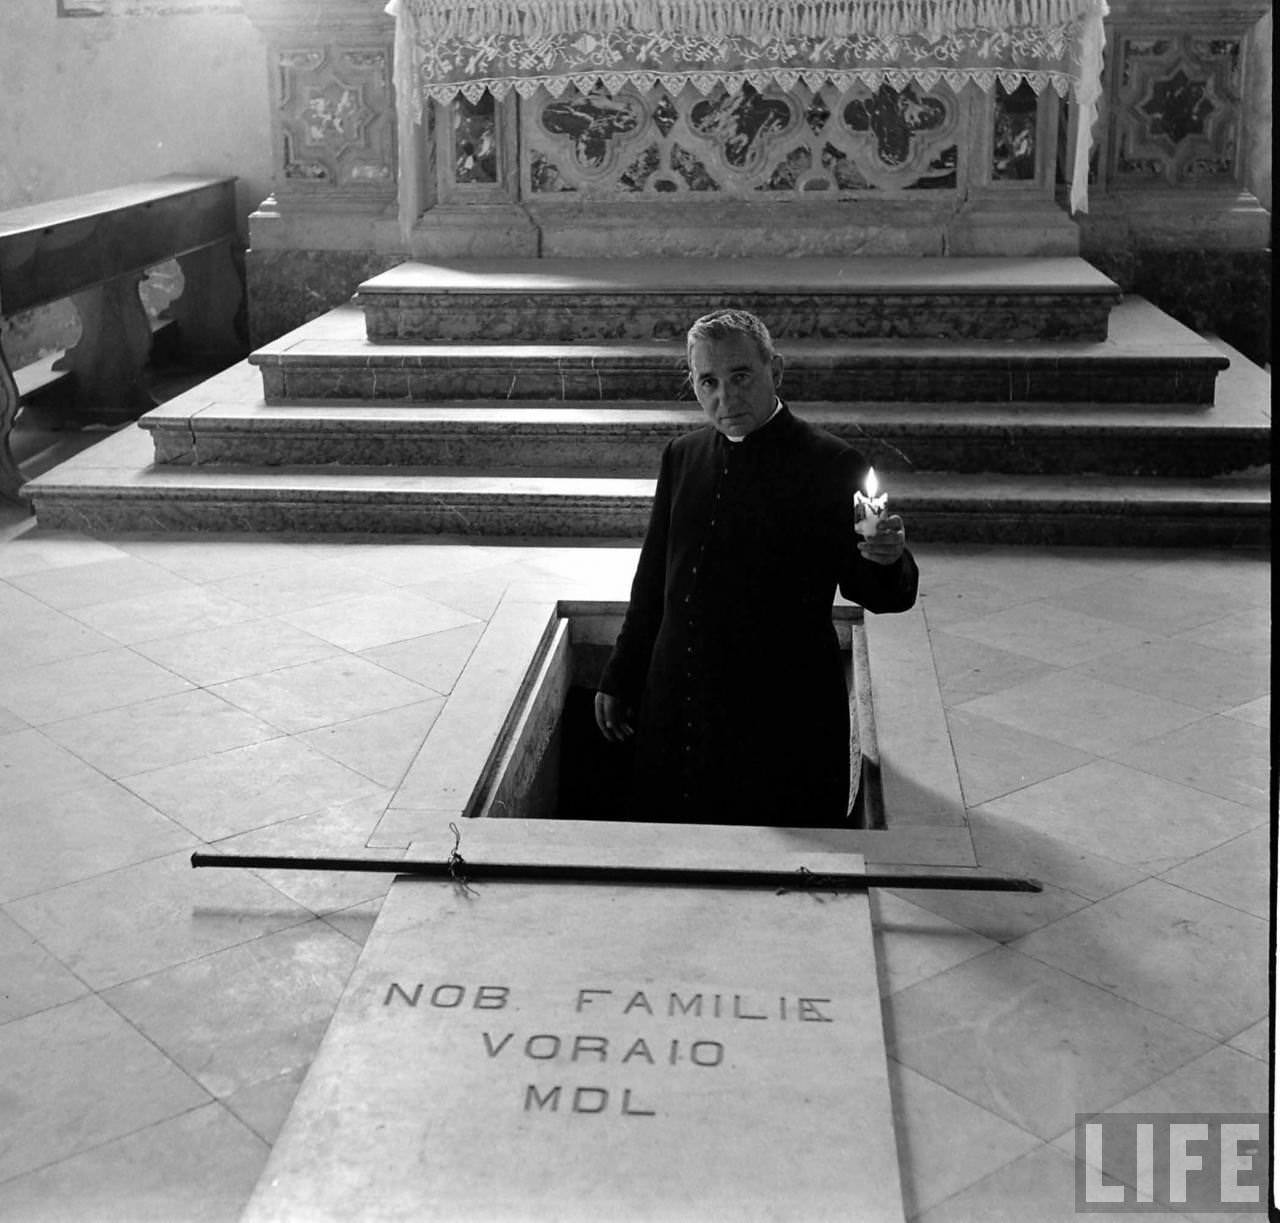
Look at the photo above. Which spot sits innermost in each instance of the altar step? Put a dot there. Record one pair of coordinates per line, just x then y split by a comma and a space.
1147, 357
1145, 434
624, 438
115, 488
574, 300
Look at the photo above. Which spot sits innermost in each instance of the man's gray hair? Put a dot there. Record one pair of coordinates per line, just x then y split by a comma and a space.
721, 324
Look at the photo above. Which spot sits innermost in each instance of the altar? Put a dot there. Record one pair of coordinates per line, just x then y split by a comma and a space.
432, 129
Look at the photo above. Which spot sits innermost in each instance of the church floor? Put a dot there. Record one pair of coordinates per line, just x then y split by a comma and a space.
1109, 712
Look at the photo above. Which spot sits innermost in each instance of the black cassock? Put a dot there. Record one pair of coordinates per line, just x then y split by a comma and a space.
727, 650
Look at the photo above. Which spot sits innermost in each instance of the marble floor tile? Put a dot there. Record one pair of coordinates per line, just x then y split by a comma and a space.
1144, 602
381, 746
968, 669
11, 721
956, 598
1183, 671
1258, 712
1223, 1080
1241, 576
291, 588
246, 787
998, 916
603, 562
215, 558
994, 758
33, 766
356, 922
328, 892
1254, 1040
339, 830
315, 694
31, 980
249, 1017
477, 594
1247, 633
1081, 712
87, 683
34, 634
188, 609
413, 563
1219, 756
251, 647
1038, 573
79, 1076
162, 731
1237, 873
1178, 954
1049, 633
1031, 1043
435, 661
199, 1167
104, 581
64, 836
1009, 847
945, 1143
912, 944
1122, 813
144, 918
362, 622
1039, 1186
37, 551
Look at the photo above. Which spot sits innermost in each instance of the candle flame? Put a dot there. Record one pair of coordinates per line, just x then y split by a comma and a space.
871, 484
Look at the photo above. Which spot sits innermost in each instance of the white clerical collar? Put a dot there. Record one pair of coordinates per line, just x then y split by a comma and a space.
777, 407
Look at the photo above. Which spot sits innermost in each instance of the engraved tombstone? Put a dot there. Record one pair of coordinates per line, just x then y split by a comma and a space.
531, 1051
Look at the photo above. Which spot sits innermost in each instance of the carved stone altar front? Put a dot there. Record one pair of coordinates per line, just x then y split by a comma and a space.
841, 168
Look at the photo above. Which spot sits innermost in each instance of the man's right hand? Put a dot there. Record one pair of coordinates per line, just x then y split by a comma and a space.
613, 718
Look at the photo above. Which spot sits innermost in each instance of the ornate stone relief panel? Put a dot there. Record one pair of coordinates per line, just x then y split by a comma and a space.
757, 142
1176, 110
336, 118
1015, 134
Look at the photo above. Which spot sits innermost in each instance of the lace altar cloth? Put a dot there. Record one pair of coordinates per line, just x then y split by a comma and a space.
446, 48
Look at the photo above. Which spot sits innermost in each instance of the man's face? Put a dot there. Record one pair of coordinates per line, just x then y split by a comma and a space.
735, 385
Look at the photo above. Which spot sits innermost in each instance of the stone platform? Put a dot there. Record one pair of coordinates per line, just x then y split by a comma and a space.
1152, 429
571, 300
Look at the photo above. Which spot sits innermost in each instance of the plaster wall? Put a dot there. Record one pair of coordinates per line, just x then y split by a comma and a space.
96, 102
88, 103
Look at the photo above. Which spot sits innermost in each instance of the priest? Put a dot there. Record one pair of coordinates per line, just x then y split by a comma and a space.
727, 672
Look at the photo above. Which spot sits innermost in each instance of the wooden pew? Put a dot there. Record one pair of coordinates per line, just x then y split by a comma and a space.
95, 249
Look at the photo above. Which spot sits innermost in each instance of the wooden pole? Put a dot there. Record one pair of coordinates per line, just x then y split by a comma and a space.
455, 869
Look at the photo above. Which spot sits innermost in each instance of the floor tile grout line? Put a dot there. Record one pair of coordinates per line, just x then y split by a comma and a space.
98, 1146
965, 964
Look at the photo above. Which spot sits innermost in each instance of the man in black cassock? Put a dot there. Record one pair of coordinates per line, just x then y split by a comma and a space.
727, 670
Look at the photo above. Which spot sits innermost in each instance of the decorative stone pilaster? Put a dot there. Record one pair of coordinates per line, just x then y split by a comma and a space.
1174, 212
332, 218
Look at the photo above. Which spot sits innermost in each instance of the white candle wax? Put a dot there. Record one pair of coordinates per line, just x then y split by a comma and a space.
869, 507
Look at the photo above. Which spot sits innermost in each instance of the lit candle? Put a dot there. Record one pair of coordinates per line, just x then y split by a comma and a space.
869, 507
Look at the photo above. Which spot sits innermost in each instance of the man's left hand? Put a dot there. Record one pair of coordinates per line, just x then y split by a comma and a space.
887, 544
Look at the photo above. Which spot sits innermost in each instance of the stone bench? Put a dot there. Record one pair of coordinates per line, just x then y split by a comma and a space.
95, 249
